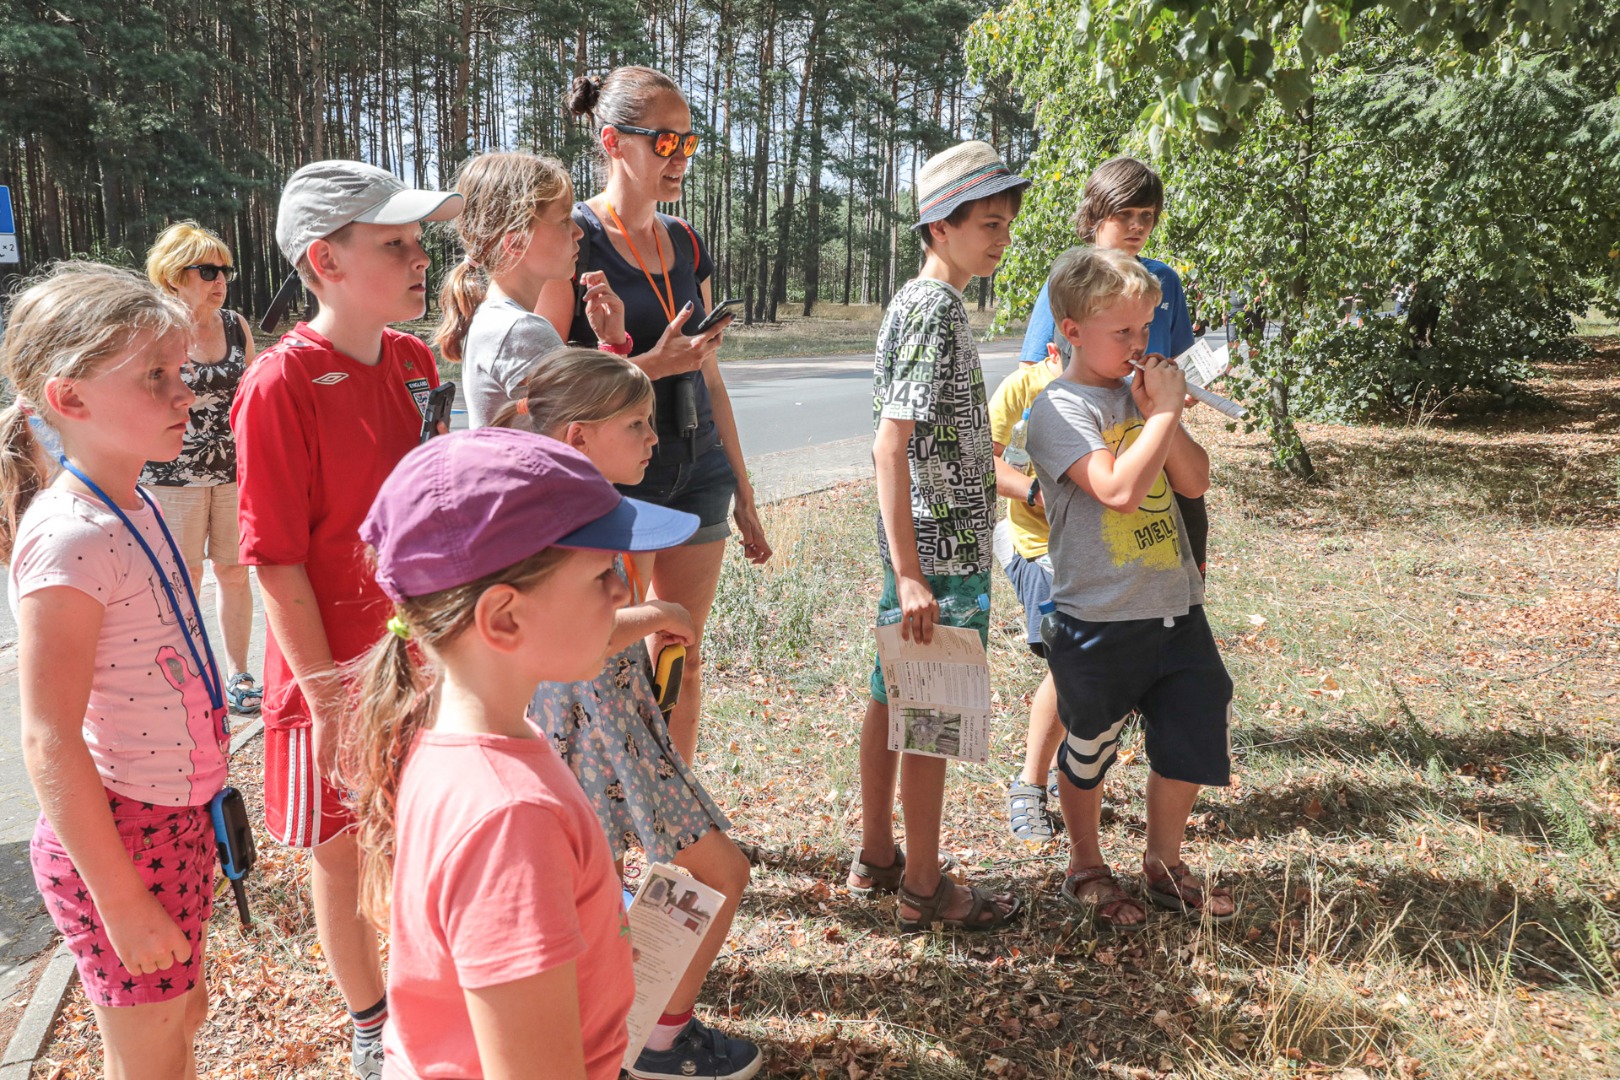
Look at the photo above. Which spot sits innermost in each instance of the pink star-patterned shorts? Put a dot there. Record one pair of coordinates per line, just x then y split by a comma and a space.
173, 851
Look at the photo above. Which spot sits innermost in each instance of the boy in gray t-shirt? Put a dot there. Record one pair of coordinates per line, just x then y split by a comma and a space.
1129, 633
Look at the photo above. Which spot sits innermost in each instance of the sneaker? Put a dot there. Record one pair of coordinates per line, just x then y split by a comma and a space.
702, 1052
367, 1059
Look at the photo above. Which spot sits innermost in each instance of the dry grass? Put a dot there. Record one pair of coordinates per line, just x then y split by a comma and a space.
1424, 835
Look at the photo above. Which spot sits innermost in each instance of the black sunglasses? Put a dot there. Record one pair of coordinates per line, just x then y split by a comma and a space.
208, 271
666, 142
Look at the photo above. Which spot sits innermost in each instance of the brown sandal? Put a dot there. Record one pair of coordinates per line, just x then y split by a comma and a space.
930, 909
886, 879
1179, 890
1105, 900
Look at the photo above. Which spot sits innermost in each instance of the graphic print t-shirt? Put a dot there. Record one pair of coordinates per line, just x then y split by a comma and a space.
927, 371
317, 432
149, 725
1106, 566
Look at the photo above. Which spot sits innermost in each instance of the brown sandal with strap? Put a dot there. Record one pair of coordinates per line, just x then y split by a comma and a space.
886, 879
930, 909
1180, 890
1104, 899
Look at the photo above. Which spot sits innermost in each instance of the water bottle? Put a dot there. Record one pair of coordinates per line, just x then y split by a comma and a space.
1015, 454
1048, 612
953, 610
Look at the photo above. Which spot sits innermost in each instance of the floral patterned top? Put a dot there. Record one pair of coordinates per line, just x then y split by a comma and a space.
208, 457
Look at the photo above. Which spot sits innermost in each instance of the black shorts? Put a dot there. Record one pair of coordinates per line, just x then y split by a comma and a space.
1172, 675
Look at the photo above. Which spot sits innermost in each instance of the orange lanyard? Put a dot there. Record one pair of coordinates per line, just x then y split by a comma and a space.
632, 577
669, 304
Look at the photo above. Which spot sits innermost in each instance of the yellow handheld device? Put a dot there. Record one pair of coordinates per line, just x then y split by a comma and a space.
667, 671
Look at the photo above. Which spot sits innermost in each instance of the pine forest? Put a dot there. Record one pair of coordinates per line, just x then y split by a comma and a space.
120, 116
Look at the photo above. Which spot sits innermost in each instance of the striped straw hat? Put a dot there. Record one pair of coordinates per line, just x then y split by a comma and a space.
967, 171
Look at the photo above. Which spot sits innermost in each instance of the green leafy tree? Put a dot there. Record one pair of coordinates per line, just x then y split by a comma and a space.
1480, 191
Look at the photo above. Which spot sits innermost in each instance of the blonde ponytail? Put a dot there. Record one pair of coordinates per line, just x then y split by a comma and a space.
463, 290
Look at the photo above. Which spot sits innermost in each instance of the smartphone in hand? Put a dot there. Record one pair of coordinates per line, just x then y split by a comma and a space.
437, 410
722, 310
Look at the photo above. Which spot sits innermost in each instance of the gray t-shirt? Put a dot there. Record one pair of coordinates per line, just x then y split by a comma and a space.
1106, 566
503, 344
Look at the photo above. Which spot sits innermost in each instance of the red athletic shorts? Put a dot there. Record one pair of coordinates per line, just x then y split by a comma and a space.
301, 809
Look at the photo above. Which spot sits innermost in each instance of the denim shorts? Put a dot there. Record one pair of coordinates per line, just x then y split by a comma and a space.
1032, 583
1172, 675
703, 487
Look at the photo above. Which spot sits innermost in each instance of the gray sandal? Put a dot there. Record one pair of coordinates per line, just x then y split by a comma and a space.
929, 908
1028, 815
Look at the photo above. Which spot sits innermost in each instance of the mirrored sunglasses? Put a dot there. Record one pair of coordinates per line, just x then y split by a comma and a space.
209, 271
666, 143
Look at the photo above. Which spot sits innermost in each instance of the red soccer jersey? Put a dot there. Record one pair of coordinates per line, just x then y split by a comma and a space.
317, 432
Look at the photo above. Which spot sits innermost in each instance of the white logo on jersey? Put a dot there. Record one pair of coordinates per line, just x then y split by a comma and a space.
331, 378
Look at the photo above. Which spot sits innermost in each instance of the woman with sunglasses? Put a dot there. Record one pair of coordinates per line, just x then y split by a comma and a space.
197, 490
660, 268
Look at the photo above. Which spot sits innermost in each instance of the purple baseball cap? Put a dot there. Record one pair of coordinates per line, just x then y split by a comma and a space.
467, 504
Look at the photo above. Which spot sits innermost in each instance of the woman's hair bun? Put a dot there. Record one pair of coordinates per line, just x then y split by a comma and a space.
583, 95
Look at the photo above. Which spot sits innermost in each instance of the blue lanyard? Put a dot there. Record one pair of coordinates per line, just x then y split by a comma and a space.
210, 670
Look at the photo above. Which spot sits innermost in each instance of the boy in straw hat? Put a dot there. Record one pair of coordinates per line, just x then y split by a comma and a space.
936, 498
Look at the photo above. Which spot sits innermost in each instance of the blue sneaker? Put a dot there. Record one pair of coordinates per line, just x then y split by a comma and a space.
700, 1052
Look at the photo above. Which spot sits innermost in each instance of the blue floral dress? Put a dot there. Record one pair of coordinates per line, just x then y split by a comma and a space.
615, 740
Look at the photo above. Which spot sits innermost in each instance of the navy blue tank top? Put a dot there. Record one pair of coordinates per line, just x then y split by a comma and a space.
645, 320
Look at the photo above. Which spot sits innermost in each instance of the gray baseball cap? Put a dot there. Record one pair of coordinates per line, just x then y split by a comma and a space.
324, 196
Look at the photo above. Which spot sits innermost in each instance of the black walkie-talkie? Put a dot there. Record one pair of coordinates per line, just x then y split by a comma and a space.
234, 836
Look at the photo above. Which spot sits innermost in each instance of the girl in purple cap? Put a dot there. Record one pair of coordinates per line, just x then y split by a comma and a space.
610, 730
508, 939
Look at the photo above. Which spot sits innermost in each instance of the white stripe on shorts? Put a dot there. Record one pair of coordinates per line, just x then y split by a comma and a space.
1094, 747
298, 794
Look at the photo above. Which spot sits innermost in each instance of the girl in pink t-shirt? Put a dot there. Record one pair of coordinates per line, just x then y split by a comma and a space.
122, 707
509, 949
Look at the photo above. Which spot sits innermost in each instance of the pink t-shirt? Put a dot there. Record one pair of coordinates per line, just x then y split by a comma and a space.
501, 872
149, 725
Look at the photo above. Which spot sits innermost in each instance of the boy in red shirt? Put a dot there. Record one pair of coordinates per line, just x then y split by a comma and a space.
320, 420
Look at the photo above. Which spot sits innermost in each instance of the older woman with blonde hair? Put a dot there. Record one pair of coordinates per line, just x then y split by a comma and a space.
197, 490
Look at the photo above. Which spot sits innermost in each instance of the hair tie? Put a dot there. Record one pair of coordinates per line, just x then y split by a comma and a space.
24, 406
398, 627
522, 406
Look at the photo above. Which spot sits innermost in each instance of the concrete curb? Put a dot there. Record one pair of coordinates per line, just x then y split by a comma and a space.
45, 1004
34, 1031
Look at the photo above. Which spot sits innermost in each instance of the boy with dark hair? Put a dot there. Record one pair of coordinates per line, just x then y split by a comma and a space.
936, 498
1129, 632
321, 419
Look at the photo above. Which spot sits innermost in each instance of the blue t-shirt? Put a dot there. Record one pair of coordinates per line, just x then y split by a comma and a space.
1170, 335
